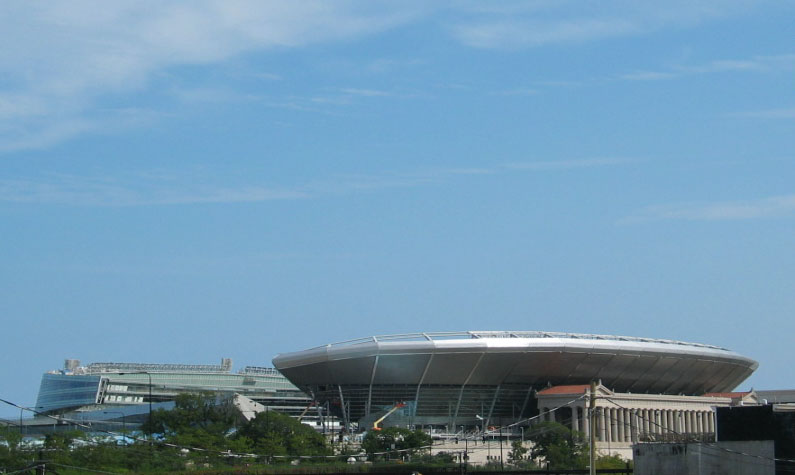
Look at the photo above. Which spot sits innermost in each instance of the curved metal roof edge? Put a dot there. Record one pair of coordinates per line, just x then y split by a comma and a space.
435, 336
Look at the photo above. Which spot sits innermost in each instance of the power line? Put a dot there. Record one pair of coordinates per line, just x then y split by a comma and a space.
712, 445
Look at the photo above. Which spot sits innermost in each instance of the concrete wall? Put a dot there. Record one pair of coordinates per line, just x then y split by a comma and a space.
722, 458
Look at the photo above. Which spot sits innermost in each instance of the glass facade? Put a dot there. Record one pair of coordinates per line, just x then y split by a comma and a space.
429, 404
113, 385
60, 391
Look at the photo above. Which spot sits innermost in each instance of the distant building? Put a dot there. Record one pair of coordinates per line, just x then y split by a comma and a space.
123, 391
772, 422
724, 458
624, 419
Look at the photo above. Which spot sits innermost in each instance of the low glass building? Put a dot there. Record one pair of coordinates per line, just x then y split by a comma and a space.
110, 391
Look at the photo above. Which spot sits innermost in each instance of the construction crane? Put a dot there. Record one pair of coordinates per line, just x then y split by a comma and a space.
388, 413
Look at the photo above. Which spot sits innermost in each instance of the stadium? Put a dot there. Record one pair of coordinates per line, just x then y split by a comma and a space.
480, 378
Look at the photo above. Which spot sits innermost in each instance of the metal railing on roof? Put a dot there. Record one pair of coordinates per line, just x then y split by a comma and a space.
435, 336
153, 367
260, 370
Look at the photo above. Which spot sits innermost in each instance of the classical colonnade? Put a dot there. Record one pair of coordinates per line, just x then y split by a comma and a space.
617, 424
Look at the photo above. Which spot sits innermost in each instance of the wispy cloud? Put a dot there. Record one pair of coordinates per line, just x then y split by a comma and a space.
365, 92
786, 113
754, 64
531, 24
512, 34
173, 188
386, 65
213, 95
570, 164
132, 191
771, 207
517, 92
66, 56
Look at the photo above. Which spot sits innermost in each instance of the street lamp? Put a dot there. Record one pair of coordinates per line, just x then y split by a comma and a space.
123, 423
149, 375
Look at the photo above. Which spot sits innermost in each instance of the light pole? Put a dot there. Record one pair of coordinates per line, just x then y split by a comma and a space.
123, 422
466, 452
488, 447
502, 466
149, 375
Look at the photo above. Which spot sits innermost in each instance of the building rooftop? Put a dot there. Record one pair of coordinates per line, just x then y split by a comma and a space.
436, 336
570, 389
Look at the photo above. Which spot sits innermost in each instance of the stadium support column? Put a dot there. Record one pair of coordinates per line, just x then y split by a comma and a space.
344, 412
370, 388
463, 388
419, 385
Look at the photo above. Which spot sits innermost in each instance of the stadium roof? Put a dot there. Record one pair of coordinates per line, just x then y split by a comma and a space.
520, 357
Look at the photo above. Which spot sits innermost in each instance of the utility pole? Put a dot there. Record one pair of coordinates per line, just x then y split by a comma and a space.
592, 428
502, 465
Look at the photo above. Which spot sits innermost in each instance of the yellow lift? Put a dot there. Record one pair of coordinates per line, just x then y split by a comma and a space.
388, 413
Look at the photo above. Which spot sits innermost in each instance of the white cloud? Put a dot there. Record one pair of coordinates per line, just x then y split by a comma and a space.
781, 62
59, 57
96, 191
531, 24
365, 92
513, 35
517, 92
159, 187
786, 113
570, 164
771, 207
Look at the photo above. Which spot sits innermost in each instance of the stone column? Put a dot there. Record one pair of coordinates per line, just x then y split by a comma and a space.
678, 421
620, 423
644, 422
686, 416
586, 422
671, 423
711, 422
602, 429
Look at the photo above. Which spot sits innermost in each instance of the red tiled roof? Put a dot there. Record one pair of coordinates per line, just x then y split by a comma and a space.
731, 395
574, 389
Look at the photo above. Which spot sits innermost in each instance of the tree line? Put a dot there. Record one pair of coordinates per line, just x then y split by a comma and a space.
201, 434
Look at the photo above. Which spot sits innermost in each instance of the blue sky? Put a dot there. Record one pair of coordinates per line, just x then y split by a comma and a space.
183, 182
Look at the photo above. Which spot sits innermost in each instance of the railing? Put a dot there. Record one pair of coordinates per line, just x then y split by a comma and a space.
435, 336
153, 367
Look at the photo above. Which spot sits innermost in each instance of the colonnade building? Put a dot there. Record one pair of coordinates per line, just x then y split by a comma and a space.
623, 419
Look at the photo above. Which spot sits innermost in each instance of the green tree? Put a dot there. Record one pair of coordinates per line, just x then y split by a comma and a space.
395, 438
11, 457
197, 420
273, 433
610, 461
558, 446
518, 452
